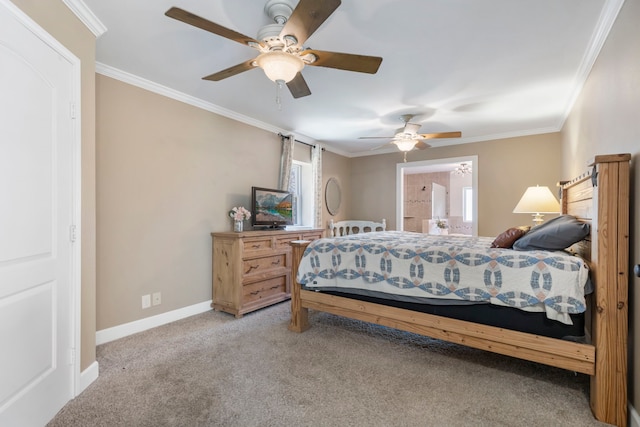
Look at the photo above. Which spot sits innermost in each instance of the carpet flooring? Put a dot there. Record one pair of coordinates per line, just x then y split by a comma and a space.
214, 370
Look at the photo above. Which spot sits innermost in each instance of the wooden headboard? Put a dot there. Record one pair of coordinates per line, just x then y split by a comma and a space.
607, 252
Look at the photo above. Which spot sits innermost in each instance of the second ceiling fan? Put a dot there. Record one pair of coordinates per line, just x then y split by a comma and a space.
408, 138
282, 54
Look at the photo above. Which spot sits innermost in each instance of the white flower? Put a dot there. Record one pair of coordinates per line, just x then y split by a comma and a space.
239, 213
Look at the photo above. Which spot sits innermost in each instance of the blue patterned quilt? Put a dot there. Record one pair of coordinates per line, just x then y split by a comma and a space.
448, 267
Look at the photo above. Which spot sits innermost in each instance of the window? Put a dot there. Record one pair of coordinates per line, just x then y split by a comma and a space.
467, 204
301, 186
294, 187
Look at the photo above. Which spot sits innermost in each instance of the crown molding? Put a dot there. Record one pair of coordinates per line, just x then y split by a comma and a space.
142, 83
598, 38
88, 18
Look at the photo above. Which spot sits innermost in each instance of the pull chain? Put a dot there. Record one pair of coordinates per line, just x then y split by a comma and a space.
278, 99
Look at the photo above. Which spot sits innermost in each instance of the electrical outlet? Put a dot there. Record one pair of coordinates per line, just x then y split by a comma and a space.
156, 298
146, 301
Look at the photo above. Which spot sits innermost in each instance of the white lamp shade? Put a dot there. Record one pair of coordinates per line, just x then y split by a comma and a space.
279, 65
405, 144
537, 200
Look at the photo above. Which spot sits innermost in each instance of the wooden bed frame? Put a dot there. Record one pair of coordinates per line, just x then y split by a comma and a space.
600, 197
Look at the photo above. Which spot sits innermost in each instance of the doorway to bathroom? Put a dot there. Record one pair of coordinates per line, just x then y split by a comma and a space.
438, 192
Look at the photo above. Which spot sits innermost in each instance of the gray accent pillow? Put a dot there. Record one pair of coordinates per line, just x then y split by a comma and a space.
556, 234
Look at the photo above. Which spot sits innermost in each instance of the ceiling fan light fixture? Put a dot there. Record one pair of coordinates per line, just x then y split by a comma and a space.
278, 65
405, 144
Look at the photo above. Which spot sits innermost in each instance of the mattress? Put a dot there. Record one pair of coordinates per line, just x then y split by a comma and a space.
414, 267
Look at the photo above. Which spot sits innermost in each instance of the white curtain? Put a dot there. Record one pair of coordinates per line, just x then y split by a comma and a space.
286, 160
316, 168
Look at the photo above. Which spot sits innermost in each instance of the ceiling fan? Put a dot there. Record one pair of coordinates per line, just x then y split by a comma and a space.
282, 54
408, 138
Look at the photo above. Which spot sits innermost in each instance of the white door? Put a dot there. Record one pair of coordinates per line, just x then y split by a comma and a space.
438, 201
36, 212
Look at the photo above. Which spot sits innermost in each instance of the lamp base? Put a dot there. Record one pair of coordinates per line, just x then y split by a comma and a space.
537, 219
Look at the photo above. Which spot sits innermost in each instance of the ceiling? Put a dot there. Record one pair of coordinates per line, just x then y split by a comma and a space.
490, 69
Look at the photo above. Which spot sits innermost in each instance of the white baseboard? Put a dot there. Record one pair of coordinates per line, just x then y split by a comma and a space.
634, 418
87, 376
121, 331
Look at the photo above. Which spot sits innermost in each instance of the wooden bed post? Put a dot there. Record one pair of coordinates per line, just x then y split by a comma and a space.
299, 315
610, 254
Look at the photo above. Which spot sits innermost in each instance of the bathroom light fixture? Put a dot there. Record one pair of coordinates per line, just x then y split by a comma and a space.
462, 169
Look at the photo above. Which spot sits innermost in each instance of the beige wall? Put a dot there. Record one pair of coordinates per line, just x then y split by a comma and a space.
605, 120
167, 175
63, 25
506, 167
338, 167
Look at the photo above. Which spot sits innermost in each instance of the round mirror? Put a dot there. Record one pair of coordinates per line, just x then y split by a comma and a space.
332, 196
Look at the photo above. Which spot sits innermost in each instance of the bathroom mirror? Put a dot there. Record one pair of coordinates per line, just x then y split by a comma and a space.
332, 196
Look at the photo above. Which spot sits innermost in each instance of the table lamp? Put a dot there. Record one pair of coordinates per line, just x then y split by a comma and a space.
537, 201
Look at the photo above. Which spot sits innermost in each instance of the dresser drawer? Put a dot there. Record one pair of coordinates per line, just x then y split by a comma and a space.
253, 245
264, 289
312, 235
283, 242
263, 264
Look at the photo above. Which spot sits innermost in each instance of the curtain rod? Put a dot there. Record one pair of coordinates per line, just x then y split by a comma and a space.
300, 142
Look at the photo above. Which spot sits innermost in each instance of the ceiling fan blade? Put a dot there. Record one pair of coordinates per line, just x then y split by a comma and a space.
231, 71
440, 135
381, 146
212, 27
421, 145
307, 17
298, 87
345, 61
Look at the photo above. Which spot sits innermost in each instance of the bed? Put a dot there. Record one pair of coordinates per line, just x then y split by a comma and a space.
600, 198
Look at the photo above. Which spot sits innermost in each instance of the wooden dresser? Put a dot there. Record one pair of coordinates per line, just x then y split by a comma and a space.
252, 269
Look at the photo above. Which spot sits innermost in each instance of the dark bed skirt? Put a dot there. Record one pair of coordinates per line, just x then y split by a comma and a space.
492, 315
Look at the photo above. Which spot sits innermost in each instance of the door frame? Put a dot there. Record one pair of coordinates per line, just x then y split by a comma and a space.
75, 235
401, 170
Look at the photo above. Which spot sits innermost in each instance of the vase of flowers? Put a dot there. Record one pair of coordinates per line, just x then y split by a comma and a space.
239, 215
441, 226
